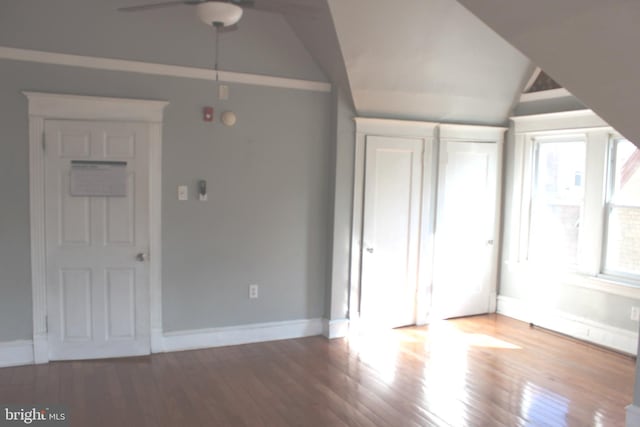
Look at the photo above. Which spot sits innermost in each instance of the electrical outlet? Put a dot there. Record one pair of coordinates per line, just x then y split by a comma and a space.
635, 314
253, 291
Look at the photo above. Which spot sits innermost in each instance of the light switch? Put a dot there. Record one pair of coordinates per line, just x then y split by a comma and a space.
223, 92
183, 192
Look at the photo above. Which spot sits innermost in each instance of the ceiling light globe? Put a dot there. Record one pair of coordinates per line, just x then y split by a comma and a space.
220, 13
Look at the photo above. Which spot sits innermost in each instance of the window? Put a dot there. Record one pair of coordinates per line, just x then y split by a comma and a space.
574, 213
576, 201
622, 213
557, 200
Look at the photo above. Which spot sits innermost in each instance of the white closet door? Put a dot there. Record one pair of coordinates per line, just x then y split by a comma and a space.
391, 231
464, 263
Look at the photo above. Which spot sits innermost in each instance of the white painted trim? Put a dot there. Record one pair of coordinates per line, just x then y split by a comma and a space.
514, 308
579, 280
567, 121
532, 79
399, 128
633, 416
431, 133
475, 135
40, 348
155, 235
427, 229
244, 334
37, 232
53, 106
583, 125
427, 132
545, 94
46, 106
15, 353
471, 133
338, 328
484, 134
575, 326
150, 68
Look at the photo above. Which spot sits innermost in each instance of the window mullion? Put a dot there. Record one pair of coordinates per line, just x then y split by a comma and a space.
590, 238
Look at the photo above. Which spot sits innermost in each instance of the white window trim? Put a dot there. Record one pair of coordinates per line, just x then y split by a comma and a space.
633, 279
526, 129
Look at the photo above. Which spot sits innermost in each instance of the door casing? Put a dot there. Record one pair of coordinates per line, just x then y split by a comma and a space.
426, 132
455, 298
432, 133
47, 106
391, 225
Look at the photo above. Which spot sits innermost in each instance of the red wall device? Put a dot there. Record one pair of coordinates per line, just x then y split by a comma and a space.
207, 114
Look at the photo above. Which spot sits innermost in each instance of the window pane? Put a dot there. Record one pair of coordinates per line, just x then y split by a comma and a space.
557, 200
623, 228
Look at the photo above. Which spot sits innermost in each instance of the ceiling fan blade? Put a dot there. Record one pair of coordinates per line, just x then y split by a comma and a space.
153, 6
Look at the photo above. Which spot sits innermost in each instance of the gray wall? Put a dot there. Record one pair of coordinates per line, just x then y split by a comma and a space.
592, 304
565, 103
267, 218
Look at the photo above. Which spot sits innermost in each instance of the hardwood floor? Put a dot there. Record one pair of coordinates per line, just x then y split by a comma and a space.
480, 371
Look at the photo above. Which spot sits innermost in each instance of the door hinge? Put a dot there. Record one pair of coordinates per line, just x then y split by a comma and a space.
46, 324
43, 144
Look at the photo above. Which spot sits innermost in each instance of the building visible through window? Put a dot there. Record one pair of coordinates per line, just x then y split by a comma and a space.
557, 201
623, 210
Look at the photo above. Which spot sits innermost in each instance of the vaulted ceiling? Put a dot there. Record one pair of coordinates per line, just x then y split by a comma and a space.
415, 59
440, 60
588, 46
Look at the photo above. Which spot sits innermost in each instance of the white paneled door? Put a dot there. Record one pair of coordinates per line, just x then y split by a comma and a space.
97, 245
391, 231
464, 264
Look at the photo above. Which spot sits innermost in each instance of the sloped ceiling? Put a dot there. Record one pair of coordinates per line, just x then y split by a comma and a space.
409, 59
264, 43
318, 35
588, 46
425, 60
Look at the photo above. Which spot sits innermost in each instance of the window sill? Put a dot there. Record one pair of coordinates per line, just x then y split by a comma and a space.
627, 288
605, 284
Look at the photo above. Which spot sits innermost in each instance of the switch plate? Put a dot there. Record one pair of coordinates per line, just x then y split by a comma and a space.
635, 313
183, 192
223, 92
253, 291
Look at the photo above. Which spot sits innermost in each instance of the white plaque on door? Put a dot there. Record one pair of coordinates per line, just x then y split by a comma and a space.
98, 178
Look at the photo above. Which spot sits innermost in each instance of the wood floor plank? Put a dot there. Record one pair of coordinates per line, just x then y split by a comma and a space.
479, 371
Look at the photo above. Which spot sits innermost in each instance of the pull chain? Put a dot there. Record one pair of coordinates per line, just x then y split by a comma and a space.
217, 26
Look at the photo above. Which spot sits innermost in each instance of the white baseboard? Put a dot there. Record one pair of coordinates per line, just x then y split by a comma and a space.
568, 324
233, 335
40, 349
514, 308
157, 341
15, 353
338, 328
633, 416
